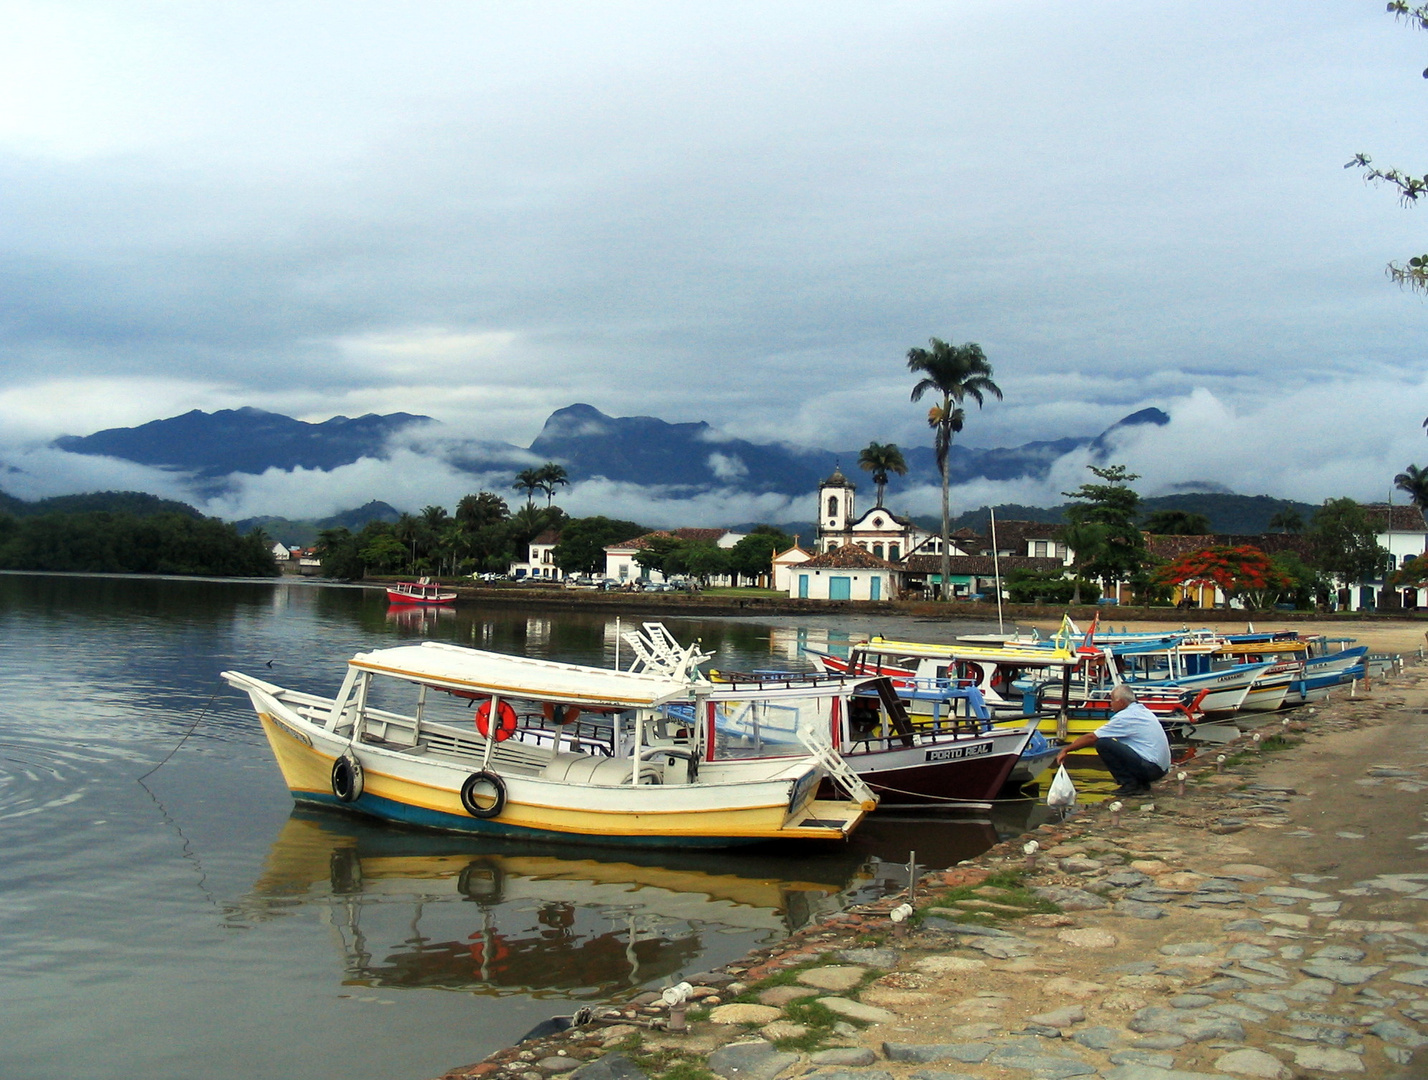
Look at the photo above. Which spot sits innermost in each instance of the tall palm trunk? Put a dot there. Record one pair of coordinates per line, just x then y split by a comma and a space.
946, 537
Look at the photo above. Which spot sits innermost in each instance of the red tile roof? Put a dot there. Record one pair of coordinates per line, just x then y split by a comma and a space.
848, 557
1404, 518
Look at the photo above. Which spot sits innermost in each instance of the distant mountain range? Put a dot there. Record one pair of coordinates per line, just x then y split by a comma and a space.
642, 450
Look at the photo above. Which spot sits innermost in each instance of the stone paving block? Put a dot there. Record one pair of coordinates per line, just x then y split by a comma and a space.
853, 1074
1317, 1033
970, 1053
938, 1074
1251, 1062
1245, 951
1243, 1013
1392, 1031
1342, 973
1308, 990
1327, 1059
1045, 1066
856, 1010
616, 1067
1069, 899
1245, 926
1150, 1072
836, 977
557, 1065
744, 1014
1189, 948
1138, 910
1340, 952
1293, 894
1412, 978
852, 1056
758, 1060
1099, 1037
1152, 1058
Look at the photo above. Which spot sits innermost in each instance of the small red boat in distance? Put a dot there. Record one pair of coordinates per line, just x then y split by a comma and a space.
423, 591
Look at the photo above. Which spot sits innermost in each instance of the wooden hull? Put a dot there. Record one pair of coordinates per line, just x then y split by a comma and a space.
941, 770
731, 804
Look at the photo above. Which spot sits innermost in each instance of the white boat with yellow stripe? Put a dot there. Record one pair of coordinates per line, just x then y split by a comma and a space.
463, 740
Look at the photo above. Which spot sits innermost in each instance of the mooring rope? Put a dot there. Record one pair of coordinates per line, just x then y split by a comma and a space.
202, 713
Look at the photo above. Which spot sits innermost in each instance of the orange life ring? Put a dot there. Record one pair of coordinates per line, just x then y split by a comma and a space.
507, 726
561, 714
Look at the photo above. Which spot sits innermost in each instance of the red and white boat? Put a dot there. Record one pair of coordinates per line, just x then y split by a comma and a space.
422, 591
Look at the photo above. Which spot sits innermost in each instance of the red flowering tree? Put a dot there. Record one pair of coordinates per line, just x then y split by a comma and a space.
1242, 573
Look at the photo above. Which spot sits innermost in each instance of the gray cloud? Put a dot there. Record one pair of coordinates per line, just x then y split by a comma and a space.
745, 214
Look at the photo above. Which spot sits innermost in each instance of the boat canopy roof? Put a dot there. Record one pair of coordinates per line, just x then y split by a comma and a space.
474, 671
1020, 655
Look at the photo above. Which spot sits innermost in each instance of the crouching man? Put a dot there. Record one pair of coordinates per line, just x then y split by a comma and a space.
1131, 744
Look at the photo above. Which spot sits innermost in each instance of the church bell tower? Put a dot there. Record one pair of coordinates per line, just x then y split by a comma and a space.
835, 509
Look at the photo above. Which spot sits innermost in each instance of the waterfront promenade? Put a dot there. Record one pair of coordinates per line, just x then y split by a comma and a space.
1271, 921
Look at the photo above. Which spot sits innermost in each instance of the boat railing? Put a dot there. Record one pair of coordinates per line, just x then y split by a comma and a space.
768, 679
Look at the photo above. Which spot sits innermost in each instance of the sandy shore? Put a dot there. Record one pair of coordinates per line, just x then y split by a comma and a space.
1270, 921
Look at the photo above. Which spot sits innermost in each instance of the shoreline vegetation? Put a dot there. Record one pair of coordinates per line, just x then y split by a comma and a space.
129, 542
739, 602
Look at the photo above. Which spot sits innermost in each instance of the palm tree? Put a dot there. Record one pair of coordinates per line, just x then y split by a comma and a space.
956, 372
552, 476
1413, 481
1085, 540
407, 529
881, 460
530, 481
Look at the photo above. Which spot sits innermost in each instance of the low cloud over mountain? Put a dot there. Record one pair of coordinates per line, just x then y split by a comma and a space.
244, 463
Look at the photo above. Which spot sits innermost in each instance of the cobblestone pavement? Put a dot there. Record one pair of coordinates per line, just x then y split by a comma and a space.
1272, 921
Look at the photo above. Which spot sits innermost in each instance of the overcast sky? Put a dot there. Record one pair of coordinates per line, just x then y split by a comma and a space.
743, 213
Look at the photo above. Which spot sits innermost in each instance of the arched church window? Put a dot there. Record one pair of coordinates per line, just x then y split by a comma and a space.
832, 505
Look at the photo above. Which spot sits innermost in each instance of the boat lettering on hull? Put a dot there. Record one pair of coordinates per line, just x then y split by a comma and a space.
952, 753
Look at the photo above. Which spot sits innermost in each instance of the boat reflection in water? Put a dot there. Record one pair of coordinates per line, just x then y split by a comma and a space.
412, 910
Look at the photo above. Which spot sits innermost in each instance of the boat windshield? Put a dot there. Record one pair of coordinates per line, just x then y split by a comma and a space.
772, 726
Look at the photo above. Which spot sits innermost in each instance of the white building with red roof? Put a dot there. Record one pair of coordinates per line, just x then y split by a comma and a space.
845, 573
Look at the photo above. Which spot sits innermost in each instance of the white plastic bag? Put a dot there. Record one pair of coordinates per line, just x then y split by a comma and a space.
1062, 792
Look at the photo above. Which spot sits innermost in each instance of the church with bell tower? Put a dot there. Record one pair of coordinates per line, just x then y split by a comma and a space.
877, 531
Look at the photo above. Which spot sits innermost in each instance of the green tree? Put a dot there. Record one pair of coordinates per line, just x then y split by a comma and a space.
1287, 520
1114, 506
659, 553
1084, 540
1413, 482
701, 560
583, 541
337, 549
1177, 523
1413, 273
956, 372
1306, 582
475, 512
881, 459
1345, 543
752, 557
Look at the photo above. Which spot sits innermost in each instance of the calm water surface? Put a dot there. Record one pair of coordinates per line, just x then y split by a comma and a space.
196, 924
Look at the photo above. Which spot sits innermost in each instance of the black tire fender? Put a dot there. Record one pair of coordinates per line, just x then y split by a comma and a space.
490, 786
347, 780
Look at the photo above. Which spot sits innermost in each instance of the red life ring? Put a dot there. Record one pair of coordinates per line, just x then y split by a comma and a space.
561, 714
507, 726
